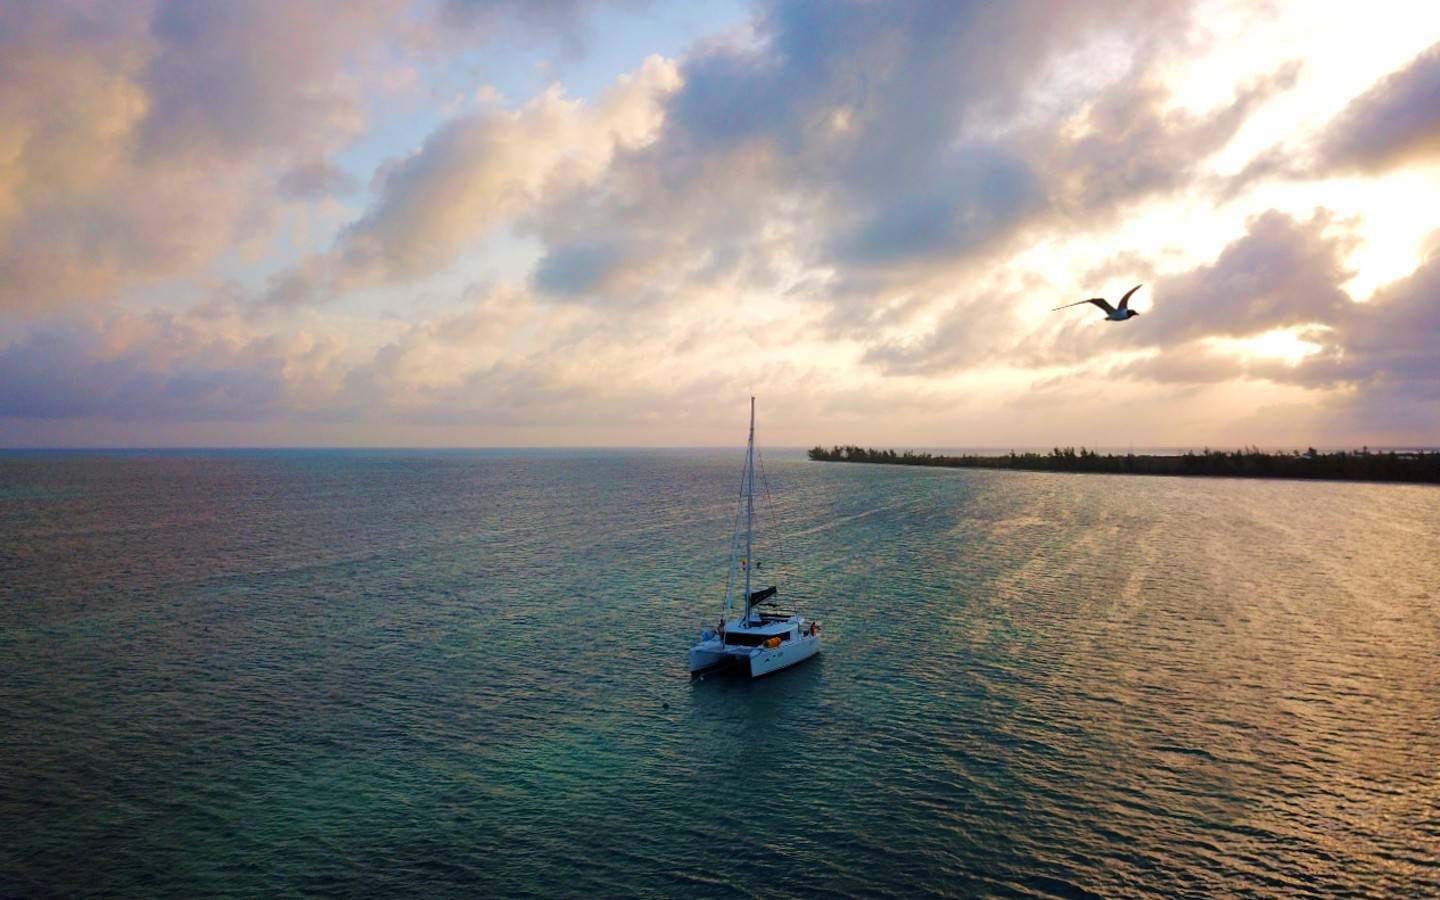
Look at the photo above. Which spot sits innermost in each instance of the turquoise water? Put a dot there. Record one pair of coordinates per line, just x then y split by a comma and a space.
447, 674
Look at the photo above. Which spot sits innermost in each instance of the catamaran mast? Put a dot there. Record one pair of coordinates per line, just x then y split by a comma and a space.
747, 477
749, 507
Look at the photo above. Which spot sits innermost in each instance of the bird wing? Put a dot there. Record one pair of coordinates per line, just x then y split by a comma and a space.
1125, 300
1098, 301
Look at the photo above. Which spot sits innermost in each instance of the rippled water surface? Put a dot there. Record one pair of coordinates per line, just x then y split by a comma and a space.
444, 674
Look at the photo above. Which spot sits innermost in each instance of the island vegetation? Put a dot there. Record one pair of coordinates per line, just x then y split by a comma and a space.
1343, 465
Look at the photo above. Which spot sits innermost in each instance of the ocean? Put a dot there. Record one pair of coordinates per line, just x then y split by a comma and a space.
462, 673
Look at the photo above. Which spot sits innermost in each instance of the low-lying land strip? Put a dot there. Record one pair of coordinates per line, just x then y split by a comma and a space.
1343, 465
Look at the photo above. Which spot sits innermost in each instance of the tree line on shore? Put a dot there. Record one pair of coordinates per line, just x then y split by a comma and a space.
1251, 462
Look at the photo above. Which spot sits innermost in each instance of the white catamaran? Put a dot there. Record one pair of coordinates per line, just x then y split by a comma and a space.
763, 641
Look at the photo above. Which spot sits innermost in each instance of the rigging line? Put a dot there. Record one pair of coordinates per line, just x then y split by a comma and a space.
734, 550
774, 521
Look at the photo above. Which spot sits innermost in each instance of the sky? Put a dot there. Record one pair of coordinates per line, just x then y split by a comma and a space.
571, 223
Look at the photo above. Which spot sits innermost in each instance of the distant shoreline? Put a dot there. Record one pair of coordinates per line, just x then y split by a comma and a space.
1416, 467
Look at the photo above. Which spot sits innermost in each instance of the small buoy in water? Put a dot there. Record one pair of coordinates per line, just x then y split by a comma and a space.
666, 705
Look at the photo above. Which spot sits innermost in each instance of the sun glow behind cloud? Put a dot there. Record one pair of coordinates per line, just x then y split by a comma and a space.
1287, 345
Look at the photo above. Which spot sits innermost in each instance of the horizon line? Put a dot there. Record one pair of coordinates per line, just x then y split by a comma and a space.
99, 448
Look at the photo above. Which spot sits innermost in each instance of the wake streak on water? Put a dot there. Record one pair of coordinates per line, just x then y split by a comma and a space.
461, 674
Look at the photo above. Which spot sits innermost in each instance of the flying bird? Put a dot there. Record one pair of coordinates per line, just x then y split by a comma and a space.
1112, 313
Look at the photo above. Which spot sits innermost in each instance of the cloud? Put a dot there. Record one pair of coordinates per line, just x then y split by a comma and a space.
1131, 144
507, 364
566, 18
864, 141
138, 137
1282, 272
985, 192
208, 365
863, 149
845, 202
1395, 122
1375, 362
227, 81
314, 180
970, 333
141, 369
580, 268
1186, 364
474, 173
142, 140
1388, 343
500, 363
774, 150
1380, 364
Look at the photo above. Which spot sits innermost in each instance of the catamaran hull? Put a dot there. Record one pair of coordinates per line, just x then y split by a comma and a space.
763, 662
759, 661
708, 655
